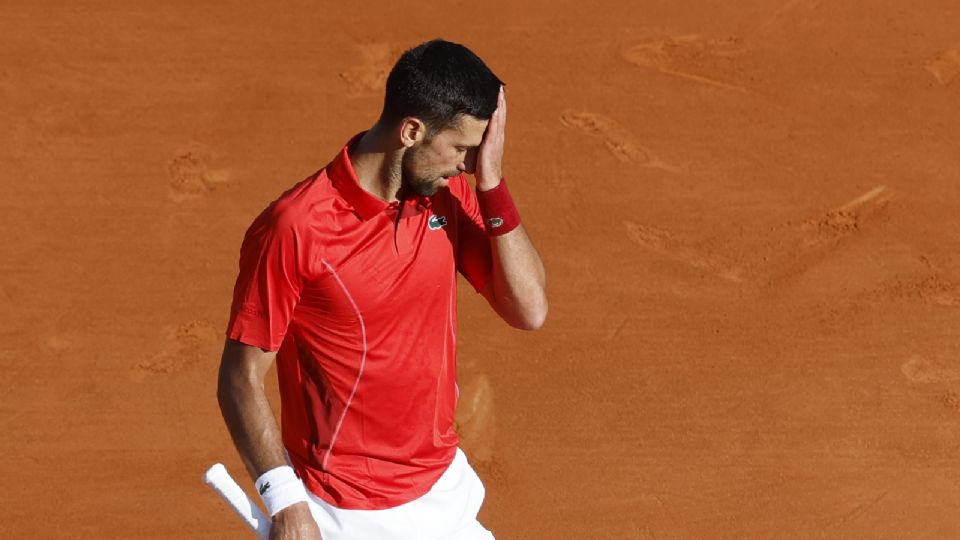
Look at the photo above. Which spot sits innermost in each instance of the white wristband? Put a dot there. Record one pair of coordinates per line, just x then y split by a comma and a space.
280, 488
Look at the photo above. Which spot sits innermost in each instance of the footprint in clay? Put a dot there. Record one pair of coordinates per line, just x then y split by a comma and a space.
188, 345
944, 67
665, 243
617, 139
936, 289
475, 420
848, 219
191, 174
951, 400
688, 57
370, 77
920, 370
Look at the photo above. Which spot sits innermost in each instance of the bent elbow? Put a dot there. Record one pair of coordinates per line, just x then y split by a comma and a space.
531, 325
534, 320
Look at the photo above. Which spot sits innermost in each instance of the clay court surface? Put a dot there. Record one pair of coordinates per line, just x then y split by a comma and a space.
748, 211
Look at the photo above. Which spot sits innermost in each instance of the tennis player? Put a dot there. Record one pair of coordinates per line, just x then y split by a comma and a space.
348, 280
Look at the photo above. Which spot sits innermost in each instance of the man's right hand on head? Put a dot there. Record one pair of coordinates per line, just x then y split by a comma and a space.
294, 522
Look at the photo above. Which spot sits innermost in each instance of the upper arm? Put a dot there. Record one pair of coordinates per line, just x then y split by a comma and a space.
273, 264
474, 255
242, 361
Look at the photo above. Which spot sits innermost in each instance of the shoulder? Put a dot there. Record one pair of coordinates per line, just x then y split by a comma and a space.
299, 205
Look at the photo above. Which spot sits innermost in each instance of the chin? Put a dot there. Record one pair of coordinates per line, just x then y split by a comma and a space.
425, 189
428, 188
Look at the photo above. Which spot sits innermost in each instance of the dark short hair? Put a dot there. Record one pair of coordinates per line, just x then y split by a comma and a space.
438, 81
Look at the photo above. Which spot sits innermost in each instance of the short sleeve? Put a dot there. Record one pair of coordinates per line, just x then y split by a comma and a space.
268, 285
474, 255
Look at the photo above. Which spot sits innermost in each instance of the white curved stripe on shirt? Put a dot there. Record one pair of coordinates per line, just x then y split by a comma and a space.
453, 329
363, 361
450, 308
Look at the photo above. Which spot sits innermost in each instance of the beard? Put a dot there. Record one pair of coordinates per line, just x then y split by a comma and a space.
425, 187
422, 185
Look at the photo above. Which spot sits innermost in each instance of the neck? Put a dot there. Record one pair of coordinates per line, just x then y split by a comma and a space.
377, 162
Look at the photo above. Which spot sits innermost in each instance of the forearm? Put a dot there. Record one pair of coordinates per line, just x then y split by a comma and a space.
250, 420
518, 280
517, 288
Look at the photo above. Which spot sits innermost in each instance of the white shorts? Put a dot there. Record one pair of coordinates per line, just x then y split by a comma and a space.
447, 512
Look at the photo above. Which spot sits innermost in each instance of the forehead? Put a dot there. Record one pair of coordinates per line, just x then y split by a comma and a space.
466, 131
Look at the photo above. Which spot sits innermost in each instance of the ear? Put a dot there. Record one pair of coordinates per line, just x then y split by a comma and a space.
412, 131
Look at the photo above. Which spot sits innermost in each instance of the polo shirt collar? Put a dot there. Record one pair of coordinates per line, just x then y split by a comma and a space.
341, 172
344, 178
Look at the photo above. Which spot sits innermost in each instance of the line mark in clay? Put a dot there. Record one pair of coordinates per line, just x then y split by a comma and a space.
858, 511
620, 142
617, 330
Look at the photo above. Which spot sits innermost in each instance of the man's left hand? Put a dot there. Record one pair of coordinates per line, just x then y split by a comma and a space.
490, 154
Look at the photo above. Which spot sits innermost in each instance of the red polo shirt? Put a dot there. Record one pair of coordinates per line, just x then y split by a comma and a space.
361, 305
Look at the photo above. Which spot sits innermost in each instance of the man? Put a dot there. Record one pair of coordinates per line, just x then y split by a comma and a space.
348, 279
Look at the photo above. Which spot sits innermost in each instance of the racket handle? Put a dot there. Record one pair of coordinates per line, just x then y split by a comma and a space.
220, 480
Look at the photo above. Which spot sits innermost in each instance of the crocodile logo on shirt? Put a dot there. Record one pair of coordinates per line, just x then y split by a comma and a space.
436, 222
